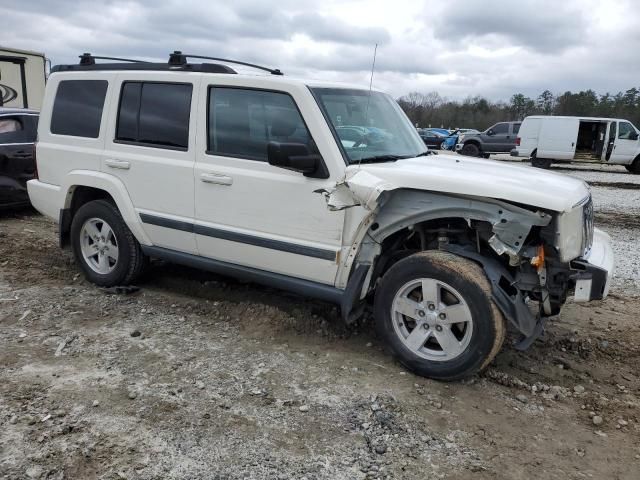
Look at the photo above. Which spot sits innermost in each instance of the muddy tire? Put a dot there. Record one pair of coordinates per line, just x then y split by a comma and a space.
104, 247
634, 167
470, 150
435, 313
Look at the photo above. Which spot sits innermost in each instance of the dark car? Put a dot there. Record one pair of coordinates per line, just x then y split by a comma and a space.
18, 129
500, 138
431, 138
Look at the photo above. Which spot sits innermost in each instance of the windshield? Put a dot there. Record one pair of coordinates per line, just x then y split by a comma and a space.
370, 125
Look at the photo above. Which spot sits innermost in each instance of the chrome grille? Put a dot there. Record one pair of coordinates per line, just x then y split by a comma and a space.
587, 226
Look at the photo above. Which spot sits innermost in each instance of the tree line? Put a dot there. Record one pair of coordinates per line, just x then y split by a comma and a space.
477, 112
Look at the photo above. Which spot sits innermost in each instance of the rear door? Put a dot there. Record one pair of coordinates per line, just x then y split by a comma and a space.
150, 148
626, 143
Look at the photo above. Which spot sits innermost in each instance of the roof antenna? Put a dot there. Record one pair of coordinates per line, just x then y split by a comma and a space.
366, 112
373, 66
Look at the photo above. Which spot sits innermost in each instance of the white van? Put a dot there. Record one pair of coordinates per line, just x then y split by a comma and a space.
22, 78
546, 139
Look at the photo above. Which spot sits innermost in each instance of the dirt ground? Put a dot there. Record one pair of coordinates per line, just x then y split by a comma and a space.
199, 376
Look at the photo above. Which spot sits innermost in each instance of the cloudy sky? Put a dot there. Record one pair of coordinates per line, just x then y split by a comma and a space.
458, 48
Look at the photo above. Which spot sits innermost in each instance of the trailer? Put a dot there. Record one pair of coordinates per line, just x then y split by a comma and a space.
22, 78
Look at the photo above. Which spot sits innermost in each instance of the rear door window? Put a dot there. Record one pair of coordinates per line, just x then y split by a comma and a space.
516, 128
77, 108
155, 114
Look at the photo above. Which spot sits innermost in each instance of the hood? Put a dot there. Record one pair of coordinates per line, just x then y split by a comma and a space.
468, 176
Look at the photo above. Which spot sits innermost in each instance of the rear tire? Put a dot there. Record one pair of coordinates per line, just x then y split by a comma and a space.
544, 163
470, 150
634, 167
416, 304
104, 247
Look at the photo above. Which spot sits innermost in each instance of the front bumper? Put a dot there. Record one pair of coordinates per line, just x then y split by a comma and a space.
595, 270
459, 146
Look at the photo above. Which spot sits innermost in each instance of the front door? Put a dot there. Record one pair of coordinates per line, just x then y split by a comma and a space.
626, 144
496, 137
251, 213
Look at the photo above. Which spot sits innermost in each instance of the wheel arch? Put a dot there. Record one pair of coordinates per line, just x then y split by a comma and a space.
84, 186
405, 209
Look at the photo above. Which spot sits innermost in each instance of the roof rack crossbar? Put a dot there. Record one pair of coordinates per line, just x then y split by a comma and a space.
179, 58
88, 59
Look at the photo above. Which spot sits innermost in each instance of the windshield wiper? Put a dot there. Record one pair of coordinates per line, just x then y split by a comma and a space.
426, 153
381, 158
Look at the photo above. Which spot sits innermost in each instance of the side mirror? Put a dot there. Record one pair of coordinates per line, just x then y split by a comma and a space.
490, 132
633, 136
296, 157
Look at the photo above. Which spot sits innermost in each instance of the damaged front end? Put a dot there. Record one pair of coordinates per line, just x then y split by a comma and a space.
520, 248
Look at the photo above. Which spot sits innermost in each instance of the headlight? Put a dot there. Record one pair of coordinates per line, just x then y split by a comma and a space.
575, 231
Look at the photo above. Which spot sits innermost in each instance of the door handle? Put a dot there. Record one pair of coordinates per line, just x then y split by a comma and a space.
121, 164
216, 179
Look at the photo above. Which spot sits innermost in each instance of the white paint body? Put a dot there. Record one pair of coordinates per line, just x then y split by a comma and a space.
241, 196
555, 138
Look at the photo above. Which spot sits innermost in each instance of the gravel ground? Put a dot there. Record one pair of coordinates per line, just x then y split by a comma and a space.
200, 376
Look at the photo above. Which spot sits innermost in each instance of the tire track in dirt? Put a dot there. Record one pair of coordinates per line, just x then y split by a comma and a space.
617, 219
618, 185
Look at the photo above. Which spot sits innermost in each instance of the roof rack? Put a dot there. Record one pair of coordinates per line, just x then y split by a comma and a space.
88, 62
177, 61
179, 58
88, 59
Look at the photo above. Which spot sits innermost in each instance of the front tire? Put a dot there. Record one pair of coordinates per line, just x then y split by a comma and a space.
634, 167
103, 245
434, 311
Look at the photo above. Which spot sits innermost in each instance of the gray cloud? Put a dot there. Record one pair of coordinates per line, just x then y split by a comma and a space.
490, 47
545, 26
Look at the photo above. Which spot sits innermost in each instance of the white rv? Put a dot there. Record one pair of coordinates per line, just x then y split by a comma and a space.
545, 140
22, 78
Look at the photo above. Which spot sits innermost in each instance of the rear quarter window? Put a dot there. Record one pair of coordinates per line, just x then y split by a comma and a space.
77, 108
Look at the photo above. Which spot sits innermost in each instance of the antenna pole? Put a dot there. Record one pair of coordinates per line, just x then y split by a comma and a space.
366, 112
373, 66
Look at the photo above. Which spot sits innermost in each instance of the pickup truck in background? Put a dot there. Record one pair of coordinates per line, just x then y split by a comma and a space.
500, 138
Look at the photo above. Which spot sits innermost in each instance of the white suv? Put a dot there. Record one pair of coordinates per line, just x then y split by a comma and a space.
322, 189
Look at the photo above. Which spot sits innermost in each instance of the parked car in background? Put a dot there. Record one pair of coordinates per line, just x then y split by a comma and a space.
18, 128
442, 131
500, 138
451, 141
431, 138
354, 135
547, 139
